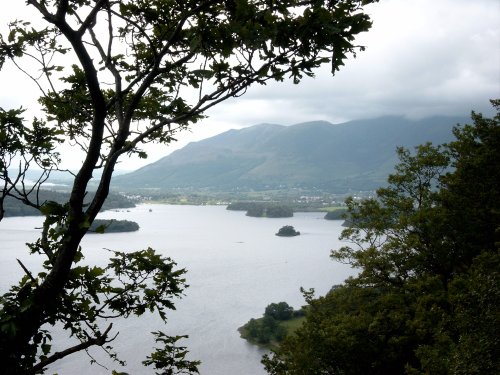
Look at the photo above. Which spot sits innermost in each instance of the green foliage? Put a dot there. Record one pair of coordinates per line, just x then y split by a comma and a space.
263, 331
154, 71
279, 311
37, 141
21, 146
256, 210
279, 320
287, 231
426, 298
261, 209
279, 211
131, 284
346, 332
113, 226
169, 357
475, 296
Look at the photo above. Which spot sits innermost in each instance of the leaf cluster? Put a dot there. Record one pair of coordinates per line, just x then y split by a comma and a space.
20, 147
170, 358
131, 284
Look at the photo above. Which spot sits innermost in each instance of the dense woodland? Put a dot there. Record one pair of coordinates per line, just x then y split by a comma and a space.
427, 294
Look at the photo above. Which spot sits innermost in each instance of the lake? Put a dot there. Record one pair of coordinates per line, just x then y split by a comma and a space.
236, 267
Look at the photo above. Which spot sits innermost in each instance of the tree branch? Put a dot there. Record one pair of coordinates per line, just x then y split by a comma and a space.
99, 340
26, 270
90, 20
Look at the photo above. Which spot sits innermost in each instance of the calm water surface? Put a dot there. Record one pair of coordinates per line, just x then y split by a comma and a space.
236, 267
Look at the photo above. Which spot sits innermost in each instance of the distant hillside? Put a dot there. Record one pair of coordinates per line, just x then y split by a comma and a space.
356, 155
14, 207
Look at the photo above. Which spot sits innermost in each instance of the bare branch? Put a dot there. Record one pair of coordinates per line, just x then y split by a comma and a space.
26, 270
91, 18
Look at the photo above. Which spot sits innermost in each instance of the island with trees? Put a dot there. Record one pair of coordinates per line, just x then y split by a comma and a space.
262, 209
278, 321
113, 226
287, 231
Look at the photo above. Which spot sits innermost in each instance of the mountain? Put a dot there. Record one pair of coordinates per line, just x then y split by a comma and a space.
355, 155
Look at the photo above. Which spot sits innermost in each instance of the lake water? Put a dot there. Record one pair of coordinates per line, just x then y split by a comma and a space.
236, 267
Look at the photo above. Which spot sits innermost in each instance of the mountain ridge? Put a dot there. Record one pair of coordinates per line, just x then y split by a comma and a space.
356, 155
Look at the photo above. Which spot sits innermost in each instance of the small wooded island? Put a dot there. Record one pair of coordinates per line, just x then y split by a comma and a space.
287, 231
278, 321
113, 226
261, 209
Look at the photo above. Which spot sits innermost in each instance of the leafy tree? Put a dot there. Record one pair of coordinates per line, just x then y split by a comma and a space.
279, 311
264, 330
475, 296
426, 298
344, 332
21, 146
287, 231
115, 75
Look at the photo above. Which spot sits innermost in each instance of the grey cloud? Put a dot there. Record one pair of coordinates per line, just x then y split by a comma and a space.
423, 58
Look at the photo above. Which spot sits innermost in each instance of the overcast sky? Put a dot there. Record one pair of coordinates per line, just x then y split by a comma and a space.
423, 58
